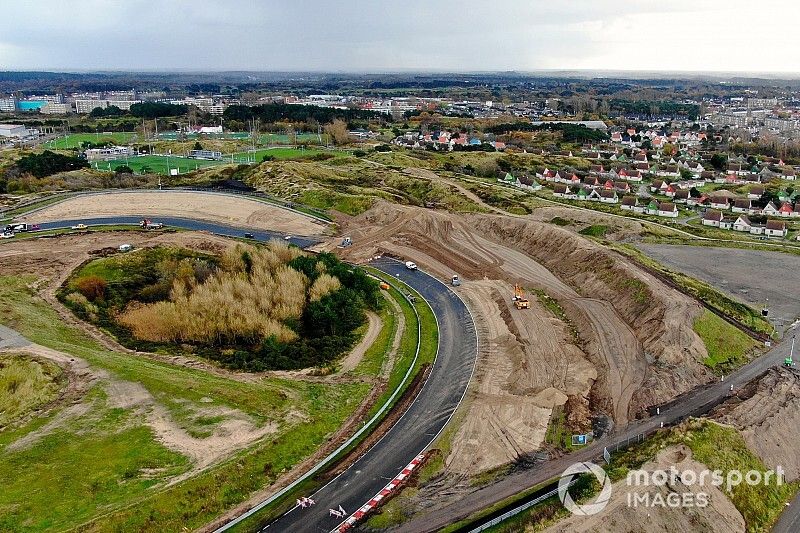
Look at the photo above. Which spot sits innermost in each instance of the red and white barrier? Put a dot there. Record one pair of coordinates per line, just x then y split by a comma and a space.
384, 493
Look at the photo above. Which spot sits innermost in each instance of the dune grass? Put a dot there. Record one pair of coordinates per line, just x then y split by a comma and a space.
25, 384
727, 346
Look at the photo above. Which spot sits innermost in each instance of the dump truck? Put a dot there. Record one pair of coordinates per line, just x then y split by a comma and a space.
520, 302
149, 224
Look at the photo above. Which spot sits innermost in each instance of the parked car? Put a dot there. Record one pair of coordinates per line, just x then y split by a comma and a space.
6, 235
249, 236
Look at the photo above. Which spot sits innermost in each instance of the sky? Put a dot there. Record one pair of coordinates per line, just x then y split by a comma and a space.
412, 35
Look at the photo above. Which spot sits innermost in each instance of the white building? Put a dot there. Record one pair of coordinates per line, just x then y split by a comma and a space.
8, 105
13, 130
104, 154
52, 108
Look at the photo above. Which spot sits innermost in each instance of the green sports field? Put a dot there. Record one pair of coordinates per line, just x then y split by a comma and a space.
156, 164
74, 140
160, 164
282, 138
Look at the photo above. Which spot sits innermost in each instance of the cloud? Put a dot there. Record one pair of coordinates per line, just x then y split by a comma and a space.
363, 35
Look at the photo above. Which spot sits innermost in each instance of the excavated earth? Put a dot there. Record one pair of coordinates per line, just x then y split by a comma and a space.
767, 414
616, 342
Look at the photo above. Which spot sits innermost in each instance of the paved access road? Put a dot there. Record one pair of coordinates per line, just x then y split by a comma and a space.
184, 223
423, 420
692, 403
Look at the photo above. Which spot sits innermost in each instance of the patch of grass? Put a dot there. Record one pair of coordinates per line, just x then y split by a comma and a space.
193, 502
728, 347
75, 140
25, 384
558, 221
595, 230
68, 476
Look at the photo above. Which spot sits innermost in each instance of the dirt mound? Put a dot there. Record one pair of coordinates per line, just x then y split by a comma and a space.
637, 331
527, 365
221, 208
768, 417
720, 515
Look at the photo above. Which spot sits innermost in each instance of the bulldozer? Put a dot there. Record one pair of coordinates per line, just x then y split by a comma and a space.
520, 302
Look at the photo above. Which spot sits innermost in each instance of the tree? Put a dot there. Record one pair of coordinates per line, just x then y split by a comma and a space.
718, 161
197, 146
123, 169
686, 174
338, 132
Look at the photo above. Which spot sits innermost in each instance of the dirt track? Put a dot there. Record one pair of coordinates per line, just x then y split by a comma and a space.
211, 207
634, 333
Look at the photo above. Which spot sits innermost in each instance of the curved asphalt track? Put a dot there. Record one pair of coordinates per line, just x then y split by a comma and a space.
184, 223
422, 422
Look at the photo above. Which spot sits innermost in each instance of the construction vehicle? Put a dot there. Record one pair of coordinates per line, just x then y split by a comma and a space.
789, 361
520, 302
347, 241
80, 226
383, 285
455, 282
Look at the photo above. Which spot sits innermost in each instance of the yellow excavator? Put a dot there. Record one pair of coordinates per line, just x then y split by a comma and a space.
520, 302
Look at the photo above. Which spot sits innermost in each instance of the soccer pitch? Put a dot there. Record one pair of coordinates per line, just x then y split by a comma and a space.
74, 140
157, 164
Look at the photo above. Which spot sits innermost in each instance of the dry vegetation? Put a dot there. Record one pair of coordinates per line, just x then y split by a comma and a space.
250, 297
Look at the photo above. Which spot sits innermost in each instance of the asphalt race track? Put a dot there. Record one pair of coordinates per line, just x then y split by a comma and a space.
415, 431
184, 223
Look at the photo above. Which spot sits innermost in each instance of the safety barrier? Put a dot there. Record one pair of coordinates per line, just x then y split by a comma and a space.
383, 494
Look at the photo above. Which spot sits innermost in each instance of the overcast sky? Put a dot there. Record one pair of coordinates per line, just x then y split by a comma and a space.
376, 35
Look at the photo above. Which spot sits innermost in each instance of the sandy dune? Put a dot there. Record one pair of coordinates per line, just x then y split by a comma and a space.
221, 208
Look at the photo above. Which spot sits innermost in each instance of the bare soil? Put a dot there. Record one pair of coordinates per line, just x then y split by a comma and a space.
633, 333
720, 515
767, 414
374, 326
211, 207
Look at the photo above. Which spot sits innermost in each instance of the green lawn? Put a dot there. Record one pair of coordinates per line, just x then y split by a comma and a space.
727, 345
74, 140
103, 459
158, 164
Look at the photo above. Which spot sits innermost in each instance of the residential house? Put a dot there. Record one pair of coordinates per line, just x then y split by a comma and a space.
719, 202
770, 209
712, 217
742, 224
775, 228
608, 197
755, 192
681, 197
667, 209
786, 210
622, 186
560, 190
629, 203
652, 207
742, 205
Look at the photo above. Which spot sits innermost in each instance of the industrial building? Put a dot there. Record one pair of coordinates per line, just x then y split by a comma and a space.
13, 130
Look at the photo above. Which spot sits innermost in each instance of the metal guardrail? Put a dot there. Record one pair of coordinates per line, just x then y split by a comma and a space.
353, 439
517, 510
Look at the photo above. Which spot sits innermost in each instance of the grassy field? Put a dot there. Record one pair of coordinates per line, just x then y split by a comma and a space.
74, 140
25, 385
157, 164
728, 347
112, 468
